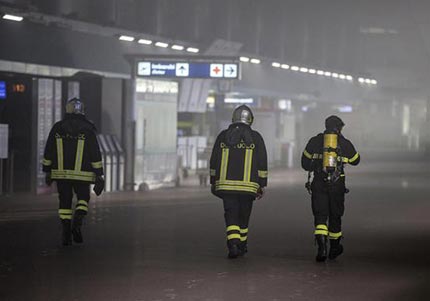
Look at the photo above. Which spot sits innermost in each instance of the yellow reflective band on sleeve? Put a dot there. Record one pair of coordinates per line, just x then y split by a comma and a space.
243, 231
46, 162
243, 238
342, 159
65, 211
213, 172
334, 235
307, 154
60, 154
233, 228
355, 157
263, 173
233, 236
224, 163
63, 216
317, 156
79, 154
248, 165
97, 165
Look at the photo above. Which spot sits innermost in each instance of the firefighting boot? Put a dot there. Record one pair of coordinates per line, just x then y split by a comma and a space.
76, 229
336, 248
322, 247
243, 248
233, 249
67, 232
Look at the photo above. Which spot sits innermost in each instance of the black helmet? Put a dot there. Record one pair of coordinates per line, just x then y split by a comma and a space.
243, 114
75, 106
334, 123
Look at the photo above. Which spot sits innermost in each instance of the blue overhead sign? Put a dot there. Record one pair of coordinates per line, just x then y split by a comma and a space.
2, 90
183, 69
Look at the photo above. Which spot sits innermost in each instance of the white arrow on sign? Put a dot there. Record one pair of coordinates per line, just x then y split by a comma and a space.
182, 69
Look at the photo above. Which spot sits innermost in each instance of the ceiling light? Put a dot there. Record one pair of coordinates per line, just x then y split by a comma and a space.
244, 59
255, 61
367, 81
285, 66
304, 70
334, 75
312, 71
126, 38
373, 82
349, 77
295, 68
193, 50
361, 80
13, 18
145, 42
162, 44
327, 73
276, 65
342, 76
178, 47
320, 72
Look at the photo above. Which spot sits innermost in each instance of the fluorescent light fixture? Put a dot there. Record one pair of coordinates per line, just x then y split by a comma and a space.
345, 109
349, 77
244, 59
295, 68
320, 72
342, 76
145, 42
238, 100
255, 61
276, 65
327, 73
178, 47
162, 44
373, 82
285, 66
304, 69
312, 71
13, 18
126, 38
193, 50
334, 75
361, 80
367, 81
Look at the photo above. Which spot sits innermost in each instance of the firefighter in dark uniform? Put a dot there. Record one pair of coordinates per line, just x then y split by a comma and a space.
72, 159
238, 175
325, 155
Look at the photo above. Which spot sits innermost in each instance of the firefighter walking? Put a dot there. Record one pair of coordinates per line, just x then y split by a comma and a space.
325, 156
238, 175
72, 159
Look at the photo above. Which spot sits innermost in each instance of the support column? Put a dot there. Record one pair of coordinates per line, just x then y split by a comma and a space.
129, 132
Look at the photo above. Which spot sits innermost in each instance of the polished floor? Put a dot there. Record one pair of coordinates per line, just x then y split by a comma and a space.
169, 244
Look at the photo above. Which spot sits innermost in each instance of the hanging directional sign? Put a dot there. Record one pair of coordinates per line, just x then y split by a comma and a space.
170, 68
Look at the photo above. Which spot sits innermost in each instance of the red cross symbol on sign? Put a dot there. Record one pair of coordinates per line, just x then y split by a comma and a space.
216, 70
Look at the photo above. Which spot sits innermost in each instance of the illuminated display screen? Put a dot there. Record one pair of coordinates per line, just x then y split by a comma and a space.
2, 90
177, 69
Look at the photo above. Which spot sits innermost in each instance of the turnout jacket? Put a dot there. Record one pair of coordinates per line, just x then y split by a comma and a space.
238, 162
72, 151
313, 154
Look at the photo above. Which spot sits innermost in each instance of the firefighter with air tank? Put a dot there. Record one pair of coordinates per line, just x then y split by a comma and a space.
73, 160
238, 175
325, 156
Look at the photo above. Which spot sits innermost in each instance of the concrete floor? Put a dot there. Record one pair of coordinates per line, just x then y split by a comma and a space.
169, 244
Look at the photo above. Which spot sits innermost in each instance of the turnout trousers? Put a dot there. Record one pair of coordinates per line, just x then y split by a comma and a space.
328, 207
237, 210
65, 191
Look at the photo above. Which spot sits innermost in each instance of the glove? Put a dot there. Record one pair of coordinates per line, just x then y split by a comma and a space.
48, 179
99, 185
260, 193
